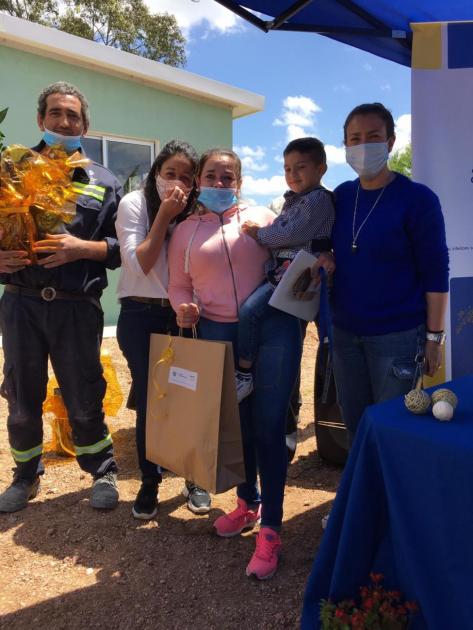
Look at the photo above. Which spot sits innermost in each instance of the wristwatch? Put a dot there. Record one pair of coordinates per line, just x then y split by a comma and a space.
437, 336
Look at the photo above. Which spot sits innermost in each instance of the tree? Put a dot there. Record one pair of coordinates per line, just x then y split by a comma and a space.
41, 11
125, 24
128, 25
401, 161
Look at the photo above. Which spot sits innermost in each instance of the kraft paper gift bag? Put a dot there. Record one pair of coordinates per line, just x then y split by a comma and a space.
192, 420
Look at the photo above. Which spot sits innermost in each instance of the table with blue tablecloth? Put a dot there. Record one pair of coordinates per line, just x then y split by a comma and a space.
404, 508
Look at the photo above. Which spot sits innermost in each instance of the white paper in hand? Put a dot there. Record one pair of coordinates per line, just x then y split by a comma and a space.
283, 297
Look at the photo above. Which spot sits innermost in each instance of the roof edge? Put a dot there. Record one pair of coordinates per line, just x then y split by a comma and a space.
51, 42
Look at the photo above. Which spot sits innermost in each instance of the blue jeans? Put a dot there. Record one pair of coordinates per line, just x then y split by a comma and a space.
252, 312
136, 322
263, 414
370, 369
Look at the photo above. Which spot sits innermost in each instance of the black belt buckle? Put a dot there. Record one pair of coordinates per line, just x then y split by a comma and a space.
48, 294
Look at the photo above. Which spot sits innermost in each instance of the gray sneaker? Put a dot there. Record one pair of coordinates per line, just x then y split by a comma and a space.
198, 499
104, 493
17, 495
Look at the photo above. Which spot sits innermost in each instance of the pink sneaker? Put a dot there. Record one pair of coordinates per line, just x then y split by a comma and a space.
235, 522
264, 561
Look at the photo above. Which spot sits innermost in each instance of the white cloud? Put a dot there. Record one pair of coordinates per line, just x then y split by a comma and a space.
257, 153
298, 116
303, 103
293, 132
341, 87
386, 87
205, 12
335, 155
252, 159
368, 67
249, 164
268, 186
403, 132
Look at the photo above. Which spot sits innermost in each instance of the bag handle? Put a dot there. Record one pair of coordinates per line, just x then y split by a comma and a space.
166, 357
194, 331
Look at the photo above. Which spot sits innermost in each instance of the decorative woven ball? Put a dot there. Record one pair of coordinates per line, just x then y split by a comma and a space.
442, 410
445, 394
417, 401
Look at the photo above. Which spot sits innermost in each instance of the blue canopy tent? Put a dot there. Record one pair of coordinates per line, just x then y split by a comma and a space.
381, 27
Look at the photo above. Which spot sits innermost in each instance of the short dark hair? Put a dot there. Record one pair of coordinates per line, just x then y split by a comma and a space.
219, 151
174, 147
310, 146
62, 87
378, 109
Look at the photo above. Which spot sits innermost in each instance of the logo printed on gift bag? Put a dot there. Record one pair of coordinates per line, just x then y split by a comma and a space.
183, 378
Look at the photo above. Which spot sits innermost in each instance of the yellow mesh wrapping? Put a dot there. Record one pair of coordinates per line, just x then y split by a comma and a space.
37, 194
61, 436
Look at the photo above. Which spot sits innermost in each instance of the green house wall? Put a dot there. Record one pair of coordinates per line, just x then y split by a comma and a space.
118, 107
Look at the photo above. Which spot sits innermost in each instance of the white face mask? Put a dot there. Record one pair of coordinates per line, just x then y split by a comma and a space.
367, 159
163, 186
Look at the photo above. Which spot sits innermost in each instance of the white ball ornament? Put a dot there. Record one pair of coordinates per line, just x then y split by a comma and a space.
445, 394
442, 410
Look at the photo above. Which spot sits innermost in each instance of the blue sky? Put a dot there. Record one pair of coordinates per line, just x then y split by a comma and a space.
309, 82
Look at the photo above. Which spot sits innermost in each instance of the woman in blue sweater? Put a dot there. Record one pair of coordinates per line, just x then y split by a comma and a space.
391, 280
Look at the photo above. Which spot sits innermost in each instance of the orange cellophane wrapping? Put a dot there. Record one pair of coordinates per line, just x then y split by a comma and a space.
36, 194
61, 438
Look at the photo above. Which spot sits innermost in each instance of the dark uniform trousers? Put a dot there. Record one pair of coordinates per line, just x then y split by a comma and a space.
70, 333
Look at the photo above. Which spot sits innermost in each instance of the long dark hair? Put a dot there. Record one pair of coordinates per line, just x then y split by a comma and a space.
152, 198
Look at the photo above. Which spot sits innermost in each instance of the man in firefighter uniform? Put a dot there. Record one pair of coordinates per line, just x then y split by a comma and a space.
52, 310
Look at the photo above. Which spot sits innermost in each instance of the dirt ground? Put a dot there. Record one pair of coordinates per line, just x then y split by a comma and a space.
66, 566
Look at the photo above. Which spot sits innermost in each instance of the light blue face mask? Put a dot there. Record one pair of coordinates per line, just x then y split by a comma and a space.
217, 199
70, 143
367, 159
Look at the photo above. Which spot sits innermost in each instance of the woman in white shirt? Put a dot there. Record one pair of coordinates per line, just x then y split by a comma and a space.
145, 220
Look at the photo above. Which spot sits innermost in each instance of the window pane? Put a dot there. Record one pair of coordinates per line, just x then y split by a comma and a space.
93, 149
129, 162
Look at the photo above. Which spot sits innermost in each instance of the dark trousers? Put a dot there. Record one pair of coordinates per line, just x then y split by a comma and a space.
136, 322
70, 334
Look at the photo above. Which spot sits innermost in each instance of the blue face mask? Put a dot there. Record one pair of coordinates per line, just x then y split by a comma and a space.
217, 199
70, 143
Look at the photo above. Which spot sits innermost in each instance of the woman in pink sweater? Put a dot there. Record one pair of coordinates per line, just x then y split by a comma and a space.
213, 268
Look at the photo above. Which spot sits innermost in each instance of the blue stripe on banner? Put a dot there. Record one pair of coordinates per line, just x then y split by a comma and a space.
460, 50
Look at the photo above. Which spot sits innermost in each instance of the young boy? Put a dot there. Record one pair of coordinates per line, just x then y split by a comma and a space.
305, 222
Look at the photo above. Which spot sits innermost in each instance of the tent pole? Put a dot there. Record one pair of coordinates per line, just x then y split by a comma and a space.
288, 14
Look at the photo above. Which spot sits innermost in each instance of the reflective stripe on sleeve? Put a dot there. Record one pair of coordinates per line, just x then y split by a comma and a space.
89, 190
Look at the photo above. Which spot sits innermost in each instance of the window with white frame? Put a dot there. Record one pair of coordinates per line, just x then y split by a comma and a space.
129, 160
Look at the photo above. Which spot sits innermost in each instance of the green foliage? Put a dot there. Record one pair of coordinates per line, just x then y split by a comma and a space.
3, 113
125, 24
128, 25
41, 11
401, 161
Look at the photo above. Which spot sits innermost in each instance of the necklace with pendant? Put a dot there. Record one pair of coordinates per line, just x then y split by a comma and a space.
354, 244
